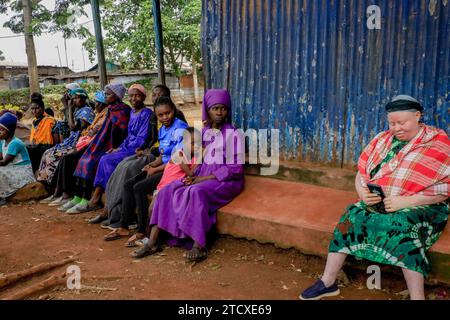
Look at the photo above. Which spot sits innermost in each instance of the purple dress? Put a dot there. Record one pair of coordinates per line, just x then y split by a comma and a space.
189, 212
138, 131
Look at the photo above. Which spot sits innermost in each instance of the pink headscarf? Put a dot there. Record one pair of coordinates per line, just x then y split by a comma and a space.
138, 87
213, 97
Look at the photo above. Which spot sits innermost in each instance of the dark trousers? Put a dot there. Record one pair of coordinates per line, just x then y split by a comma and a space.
63, 179
35, 152
135, 198
83, 188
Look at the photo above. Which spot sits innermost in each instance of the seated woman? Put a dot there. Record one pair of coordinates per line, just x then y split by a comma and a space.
132, 166
137, 188
41, 137
138, 132
15, 164
178, 167
61, 130
187, 209
410, 162
63, 181
110, 137
82, 118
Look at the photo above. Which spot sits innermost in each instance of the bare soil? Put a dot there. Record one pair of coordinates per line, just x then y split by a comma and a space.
31, 234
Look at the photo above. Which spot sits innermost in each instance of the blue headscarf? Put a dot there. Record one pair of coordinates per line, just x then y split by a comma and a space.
86, 114
9, 122
100, 96
79, 92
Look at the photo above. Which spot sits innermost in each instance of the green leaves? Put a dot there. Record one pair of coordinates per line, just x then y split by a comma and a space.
129, 35
61, 19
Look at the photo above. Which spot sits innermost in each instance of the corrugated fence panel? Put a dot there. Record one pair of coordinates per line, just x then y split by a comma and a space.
316, 72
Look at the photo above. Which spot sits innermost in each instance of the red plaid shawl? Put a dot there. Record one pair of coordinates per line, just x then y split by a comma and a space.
422, 166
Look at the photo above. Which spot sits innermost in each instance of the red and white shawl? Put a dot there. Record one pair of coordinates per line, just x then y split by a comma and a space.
421, 167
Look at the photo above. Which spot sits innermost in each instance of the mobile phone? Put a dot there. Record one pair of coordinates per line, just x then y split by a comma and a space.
375, 188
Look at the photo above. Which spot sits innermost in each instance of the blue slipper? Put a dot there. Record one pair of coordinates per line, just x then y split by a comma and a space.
318, 291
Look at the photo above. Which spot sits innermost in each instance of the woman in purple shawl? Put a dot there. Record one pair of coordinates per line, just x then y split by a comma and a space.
139, 129
187, 209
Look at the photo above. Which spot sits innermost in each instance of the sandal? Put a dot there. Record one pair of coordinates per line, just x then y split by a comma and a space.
115, 235
131, 243
145, 251
196, 254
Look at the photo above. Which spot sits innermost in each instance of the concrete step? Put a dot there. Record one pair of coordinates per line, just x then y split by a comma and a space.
303, 216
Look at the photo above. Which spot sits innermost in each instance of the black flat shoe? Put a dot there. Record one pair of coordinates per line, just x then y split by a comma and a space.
98, 219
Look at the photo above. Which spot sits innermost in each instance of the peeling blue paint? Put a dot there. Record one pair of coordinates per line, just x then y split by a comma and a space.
315, 71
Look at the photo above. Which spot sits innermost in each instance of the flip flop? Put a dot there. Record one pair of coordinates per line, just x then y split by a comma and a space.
113, 236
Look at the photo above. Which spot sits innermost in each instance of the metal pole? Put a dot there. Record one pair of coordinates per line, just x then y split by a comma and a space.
157, 24
65, 50
99, 41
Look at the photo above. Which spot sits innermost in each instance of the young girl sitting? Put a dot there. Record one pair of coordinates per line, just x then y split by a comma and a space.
138, 188
179, 167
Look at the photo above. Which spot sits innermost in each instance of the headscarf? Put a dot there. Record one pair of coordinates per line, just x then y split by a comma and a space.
72, 86
118, 89
79, 92
86, 114
138, 87
213, 97
9, 122
100, 97
403, 103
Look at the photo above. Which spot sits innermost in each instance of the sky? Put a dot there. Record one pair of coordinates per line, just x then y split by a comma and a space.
46, 51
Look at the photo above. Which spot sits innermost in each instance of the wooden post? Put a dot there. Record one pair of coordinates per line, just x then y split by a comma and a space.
33, 73
99, 41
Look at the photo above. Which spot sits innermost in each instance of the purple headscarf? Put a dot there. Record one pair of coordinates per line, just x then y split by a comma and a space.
118, 89
213, 97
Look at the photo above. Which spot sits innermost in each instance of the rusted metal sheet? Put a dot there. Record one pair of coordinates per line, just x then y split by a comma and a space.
315, 71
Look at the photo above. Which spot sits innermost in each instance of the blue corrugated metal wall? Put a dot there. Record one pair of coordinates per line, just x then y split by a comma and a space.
315, 71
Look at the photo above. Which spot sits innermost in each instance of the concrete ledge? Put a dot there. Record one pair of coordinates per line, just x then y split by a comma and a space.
303, 216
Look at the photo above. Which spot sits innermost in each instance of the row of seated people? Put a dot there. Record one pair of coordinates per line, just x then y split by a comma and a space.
133, 157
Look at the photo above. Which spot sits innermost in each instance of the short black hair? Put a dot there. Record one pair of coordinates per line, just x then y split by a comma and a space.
165, 101
165, 89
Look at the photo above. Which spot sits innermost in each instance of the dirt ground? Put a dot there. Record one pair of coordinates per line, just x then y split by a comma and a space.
31, 234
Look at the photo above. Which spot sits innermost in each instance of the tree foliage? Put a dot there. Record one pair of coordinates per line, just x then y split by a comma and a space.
60, 19
129, 35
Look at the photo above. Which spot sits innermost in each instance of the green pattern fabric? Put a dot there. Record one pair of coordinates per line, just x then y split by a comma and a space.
401, 238
397, 145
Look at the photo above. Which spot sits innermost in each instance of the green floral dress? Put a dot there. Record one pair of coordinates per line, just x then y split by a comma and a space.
400, 238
